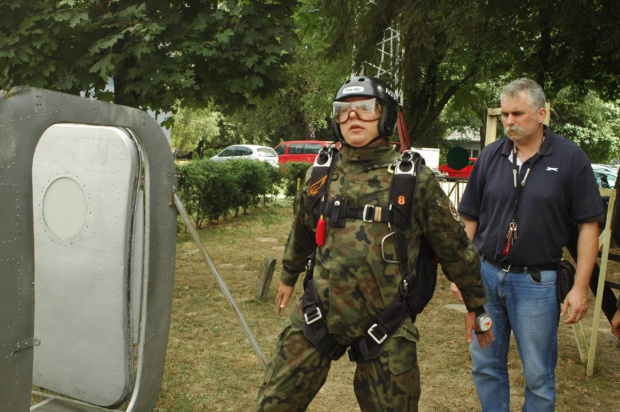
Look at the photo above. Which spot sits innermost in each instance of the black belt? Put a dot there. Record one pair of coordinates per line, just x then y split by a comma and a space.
514, 268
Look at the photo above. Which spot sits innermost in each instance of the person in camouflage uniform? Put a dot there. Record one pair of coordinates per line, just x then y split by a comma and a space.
351, 277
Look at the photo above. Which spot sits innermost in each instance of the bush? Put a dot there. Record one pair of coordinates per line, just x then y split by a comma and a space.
250, 179
275, 179
211, 189
292, 172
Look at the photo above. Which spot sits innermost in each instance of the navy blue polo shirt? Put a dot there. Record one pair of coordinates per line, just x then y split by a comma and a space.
559, 192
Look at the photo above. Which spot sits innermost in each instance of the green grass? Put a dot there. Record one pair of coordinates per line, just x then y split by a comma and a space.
212, 367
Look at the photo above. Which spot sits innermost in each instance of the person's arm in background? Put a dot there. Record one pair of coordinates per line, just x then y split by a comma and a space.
457, 254
470, 229
587, 252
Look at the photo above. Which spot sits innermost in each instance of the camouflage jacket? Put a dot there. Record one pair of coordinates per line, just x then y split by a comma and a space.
351, 276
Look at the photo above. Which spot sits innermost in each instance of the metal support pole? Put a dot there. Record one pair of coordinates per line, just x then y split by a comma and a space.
220, 282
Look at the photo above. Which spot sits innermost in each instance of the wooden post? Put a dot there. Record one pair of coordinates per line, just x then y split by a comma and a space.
264, 278
604, 242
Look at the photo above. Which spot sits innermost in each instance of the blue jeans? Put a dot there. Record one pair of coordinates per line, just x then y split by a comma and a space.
529, 309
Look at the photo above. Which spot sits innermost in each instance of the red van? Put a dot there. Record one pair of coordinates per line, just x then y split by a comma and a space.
299, 150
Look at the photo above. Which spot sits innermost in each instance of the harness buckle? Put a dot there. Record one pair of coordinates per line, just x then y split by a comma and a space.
313, 317
376, 339
324, 152
407, 158
386, 260
368, 214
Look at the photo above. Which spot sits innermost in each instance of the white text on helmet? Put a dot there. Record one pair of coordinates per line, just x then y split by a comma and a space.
353, 89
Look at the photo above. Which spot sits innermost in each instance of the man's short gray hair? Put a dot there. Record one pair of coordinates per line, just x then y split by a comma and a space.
534, 92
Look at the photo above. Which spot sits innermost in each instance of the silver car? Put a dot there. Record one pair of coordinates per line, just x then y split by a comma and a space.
606, 177
248, 151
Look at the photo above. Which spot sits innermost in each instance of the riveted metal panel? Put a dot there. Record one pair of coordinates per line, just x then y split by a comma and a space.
25, 114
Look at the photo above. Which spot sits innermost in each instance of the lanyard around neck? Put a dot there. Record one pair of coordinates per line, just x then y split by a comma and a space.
515, 172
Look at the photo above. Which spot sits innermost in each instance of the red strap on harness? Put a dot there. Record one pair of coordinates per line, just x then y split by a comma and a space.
403, 133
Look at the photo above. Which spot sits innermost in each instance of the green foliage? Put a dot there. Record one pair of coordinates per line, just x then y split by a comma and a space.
250, 181
292, 172
209, 153
453, 45
206, 190
301, 109
155, 52
275, 177
210, 190
588, 121
192, 126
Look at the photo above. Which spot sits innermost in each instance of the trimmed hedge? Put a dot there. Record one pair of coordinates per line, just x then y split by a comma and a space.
210, 190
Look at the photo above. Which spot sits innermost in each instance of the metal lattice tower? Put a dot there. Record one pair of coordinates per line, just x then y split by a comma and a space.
390, 59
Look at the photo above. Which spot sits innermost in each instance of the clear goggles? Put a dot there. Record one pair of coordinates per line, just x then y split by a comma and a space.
366, 110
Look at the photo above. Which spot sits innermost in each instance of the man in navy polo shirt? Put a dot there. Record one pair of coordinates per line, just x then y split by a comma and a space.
524, 196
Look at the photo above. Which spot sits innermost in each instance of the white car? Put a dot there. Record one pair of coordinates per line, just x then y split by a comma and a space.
610, 168
248, 151
605, 176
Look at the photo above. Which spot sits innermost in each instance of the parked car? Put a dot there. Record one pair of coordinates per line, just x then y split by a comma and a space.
461, 174
605, 178
248, 151
299, 150
610, 168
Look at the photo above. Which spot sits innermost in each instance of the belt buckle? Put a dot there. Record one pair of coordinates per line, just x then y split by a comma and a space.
379, 341
368, 210
314, 318
508, 268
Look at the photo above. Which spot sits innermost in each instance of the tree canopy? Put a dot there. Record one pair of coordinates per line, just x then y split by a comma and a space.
451, 45
156, 52
268, 69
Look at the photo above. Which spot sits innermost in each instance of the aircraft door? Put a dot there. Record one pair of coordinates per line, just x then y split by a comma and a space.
85, 182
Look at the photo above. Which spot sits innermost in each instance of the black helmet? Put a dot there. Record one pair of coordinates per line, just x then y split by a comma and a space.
366, 86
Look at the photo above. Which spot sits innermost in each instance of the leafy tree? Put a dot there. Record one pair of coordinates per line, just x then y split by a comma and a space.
444, 48
561, 43
301, 109
591, 123
452, 45
156, 52
191, 126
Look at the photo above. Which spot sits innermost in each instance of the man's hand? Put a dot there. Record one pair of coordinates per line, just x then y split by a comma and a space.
484, 339
456, 291
615, 324
283, 295
577, 301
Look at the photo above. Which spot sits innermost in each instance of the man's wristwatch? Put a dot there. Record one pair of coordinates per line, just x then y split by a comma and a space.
483, 320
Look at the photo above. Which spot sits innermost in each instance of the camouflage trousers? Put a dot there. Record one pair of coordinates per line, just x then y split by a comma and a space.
390, 383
